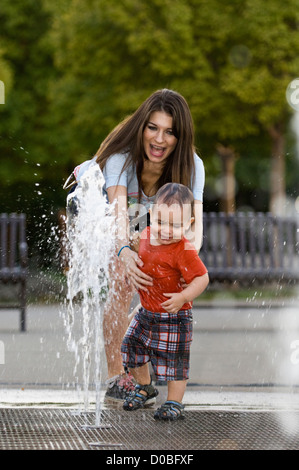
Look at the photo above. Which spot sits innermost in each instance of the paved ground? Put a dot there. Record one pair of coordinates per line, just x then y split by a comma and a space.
242, 393
236, 350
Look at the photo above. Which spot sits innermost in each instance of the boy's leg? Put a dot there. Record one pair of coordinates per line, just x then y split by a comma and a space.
176, 390
173, 408
141, 375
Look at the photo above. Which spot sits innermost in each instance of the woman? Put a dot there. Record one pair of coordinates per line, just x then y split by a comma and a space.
152, 147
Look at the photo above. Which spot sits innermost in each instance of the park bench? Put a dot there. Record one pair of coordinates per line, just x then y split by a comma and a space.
13, 259
250, 247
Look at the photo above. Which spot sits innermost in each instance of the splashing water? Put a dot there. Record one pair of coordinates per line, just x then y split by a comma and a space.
90, 244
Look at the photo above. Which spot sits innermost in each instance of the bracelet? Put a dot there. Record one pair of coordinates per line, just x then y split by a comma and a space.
125, 246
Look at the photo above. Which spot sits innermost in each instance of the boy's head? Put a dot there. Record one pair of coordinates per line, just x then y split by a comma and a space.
171, 213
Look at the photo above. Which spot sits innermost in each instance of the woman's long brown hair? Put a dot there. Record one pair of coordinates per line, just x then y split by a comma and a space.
127, 137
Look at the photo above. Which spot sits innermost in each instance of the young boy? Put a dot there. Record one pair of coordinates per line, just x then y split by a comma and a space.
161, 331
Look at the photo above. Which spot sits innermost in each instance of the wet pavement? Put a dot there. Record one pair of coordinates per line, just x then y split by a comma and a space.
243, 385
233, 346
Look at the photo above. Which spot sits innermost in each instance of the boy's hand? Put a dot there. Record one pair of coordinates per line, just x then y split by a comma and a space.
175, 302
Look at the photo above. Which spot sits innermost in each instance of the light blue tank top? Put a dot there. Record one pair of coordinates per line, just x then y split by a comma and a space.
128, 178
114, 176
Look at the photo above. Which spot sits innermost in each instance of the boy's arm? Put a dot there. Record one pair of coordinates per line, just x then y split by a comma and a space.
195, 288
178, 299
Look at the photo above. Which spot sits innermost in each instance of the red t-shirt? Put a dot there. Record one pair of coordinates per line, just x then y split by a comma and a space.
166, 264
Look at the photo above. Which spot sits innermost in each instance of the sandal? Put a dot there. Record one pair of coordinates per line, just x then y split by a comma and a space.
171, 411
119, 387
136, 400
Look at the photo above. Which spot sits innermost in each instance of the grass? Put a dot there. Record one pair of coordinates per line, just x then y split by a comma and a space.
255, 293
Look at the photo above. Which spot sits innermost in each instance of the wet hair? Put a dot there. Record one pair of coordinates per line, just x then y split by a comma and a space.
175, 193
127, 137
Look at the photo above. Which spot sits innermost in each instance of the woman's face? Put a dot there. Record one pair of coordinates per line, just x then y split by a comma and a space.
159, 140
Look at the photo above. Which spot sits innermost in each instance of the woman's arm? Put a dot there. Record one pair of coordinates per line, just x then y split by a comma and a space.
194, 235
198, 184
118, 196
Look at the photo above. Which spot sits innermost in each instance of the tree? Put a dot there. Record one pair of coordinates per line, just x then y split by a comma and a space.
26, 52
271, 38
232, 61
84, 65
6, 77
27, 158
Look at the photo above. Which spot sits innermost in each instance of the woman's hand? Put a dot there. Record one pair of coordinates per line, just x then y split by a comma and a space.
183, 283
132, 263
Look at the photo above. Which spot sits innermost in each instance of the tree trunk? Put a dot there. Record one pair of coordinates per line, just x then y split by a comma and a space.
228, 158
277, 175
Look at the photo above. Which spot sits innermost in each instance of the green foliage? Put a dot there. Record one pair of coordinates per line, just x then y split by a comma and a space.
24, 134
75, 68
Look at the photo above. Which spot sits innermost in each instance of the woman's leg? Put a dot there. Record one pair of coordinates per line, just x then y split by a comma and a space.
115, 321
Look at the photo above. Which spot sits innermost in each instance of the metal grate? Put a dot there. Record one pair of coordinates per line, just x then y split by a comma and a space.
46, 429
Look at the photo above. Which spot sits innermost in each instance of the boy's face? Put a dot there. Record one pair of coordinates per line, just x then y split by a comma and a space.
170, 223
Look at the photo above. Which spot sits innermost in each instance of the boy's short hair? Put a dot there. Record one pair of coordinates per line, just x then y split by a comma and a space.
175, 193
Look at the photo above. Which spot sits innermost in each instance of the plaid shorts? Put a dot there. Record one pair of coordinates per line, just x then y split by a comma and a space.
164, 339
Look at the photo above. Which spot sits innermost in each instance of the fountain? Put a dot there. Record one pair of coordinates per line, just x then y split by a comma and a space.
90, 245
